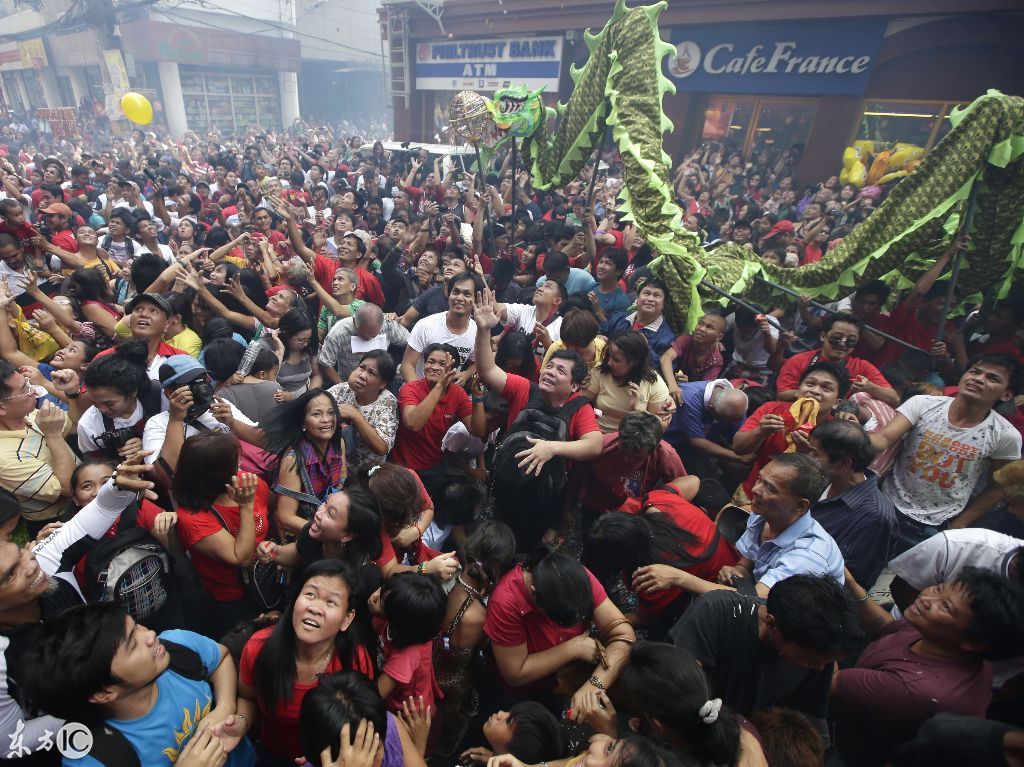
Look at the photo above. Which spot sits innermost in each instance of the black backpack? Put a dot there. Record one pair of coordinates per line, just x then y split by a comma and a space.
131, 568
109, 746
541, 421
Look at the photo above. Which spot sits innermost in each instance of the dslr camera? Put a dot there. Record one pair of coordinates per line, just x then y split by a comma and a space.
115, 439
202, 396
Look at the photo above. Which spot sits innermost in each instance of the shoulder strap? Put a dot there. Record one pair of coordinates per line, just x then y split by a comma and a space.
300, 497
572, 407
111, 748
186, 662
150, 399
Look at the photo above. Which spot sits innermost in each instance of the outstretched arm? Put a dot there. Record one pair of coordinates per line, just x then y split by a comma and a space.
486, 316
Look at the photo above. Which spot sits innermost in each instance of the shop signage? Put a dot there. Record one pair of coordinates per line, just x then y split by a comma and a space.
25, 54
486, 65
832, 57
208, 47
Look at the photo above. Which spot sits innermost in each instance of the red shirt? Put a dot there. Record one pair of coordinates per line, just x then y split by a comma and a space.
369, 288
163, 350
513, 619
220, 579
904, 323
421, 450
775, 443
609, 484
704, 369
793, 368
412, 667
517, 393
687, 517
279, 730
65, 240
1005, 346
24, 233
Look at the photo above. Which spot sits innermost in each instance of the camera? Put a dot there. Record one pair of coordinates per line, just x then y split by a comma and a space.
115, 439
202, 396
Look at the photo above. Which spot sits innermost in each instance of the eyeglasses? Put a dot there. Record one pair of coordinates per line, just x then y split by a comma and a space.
23, 392
841, 342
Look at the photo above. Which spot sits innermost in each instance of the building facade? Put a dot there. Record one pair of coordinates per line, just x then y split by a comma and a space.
751, 75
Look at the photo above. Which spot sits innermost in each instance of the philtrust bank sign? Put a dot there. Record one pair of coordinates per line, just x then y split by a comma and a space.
802, 58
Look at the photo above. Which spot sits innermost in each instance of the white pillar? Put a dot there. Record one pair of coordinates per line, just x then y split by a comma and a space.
174, 102
79, 85
288, 83
51, 91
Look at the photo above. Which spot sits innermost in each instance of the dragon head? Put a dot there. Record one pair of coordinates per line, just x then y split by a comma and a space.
517, 111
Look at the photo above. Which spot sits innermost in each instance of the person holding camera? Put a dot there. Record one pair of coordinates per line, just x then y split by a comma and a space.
123, 399
193, 410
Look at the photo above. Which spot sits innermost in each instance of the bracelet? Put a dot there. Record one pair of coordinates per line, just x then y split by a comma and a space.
863, 599
421, 568
243, 718
76, 395
597, 682
479, 400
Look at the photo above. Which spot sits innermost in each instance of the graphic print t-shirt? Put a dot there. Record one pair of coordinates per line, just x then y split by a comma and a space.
939, 464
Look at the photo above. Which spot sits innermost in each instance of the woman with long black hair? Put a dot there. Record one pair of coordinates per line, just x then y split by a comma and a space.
306, 434
626, 382
669, 533
315, 635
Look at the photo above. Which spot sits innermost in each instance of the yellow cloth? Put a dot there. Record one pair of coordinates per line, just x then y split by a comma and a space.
188, 341
804, 411
613, 400
33, 342
121, 328
26, 470
599, 344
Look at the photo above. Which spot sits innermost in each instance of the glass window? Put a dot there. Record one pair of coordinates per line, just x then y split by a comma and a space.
781, 125
728, 118
910, 122
944, 123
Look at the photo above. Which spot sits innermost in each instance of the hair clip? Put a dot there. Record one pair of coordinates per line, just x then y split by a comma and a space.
373, 469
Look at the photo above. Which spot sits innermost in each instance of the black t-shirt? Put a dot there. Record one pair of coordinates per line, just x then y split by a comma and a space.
951, 740
431, 301
720, 630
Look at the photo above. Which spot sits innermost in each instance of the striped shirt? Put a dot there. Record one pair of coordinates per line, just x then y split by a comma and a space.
26, 470
803, 548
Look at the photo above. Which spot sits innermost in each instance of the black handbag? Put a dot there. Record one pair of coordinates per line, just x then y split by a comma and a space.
264, 584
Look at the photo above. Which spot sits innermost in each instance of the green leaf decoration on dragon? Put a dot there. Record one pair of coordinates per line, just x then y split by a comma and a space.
622, 86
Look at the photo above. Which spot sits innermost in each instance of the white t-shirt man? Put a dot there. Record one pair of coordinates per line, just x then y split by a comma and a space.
156, 429
524, 317
940, 464
434, 330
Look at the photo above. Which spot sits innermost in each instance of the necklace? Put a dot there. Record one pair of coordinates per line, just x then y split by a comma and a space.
323, 665
475, 593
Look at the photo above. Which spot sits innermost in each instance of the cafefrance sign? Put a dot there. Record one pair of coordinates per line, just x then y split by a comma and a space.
486, 65
832, 57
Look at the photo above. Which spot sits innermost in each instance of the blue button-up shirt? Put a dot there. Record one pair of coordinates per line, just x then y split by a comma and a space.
803, 548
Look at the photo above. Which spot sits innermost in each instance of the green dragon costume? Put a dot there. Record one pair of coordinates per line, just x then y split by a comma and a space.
621, 87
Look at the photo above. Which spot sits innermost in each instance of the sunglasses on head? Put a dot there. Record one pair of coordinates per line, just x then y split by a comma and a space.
847, 342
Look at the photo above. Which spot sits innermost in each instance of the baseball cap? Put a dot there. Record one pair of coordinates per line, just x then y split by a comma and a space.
180, 369
362, 235
154, 298
57, 208
784, 225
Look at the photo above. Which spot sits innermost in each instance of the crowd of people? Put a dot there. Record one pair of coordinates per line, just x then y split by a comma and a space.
315, 453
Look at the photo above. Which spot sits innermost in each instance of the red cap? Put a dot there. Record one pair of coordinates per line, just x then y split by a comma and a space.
57, 208
785, 225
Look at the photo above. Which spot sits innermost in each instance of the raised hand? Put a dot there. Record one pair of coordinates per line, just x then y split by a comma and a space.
486, 312
243, 489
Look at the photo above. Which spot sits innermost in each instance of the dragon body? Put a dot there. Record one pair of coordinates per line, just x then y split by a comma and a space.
621, 87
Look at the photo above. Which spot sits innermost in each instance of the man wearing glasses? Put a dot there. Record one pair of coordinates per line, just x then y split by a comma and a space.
35, 461
840, 333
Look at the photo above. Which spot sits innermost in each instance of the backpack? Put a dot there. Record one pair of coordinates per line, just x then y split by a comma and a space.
109, 746
541, 421
131, 568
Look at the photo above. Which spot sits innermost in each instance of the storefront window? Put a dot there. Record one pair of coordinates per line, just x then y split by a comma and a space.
229, 102
728, 119
910, 122
944, 124
750, 125
781, 125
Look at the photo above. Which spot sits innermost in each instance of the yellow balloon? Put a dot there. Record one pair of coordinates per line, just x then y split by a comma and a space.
865, 147
858, 174
850, 156
137, 108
